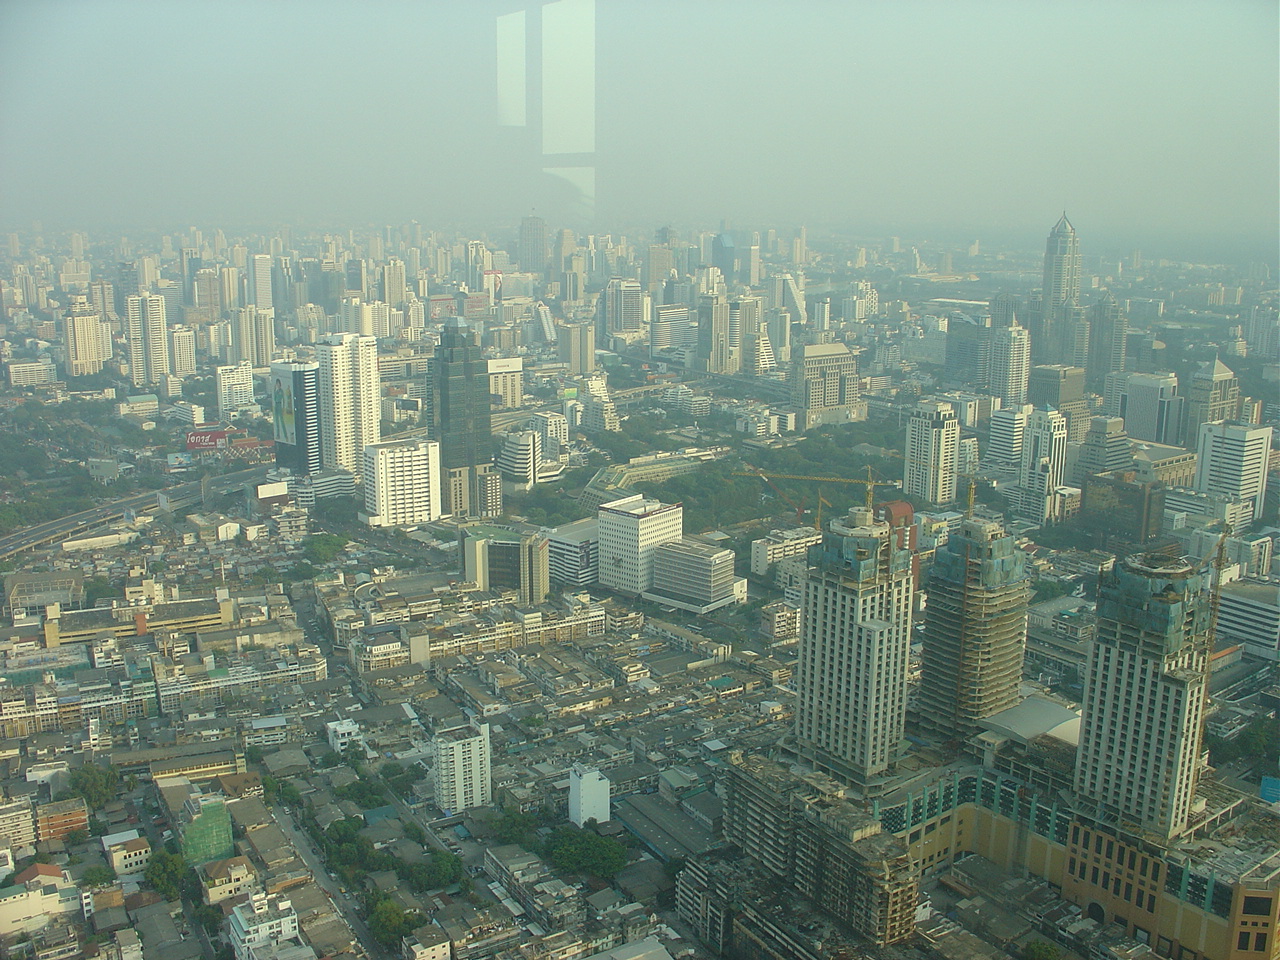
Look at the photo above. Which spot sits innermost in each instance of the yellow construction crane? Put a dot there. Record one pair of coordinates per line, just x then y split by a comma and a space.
869, 483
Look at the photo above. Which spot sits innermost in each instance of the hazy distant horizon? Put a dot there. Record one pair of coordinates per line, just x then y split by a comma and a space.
1155, 125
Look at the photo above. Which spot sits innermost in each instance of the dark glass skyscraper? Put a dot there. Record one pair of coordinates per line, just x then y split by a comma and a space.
294, 393
461, 398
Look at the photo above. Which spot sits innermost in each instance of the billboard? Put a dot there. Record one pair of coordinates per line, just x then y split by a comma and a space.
283, 413
206, 439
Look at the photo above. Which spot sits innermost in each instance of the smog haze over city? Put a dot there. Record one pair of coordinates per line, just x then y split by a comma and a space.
1155, 123
639, 480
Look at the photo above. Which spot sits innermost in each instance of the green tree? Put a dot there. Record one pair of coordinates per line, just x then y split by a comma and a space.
76, 837
581, 850
322, 548
1040, 950
389, 922
96, 784
97, 876
165, 872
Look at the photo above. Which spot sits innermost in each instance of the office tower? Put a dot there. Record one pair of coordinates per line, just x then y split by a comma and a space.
260, 281
1214, 395
402, 483
1004, 311
1061, 289
599, 413
394, 286
714, 352
967, 456
968, 356
933, 438
350, 396
670, 328
630, 531
1232, 460
234, 386
695, 575
532, 248
1139, 754
1010, 363
747, 335
824, 385
1106, 448
1044, 460
788, 295
229, 295
778, 326
1005, 433
800, 248
498, 559
1061, 387
577, 347
148, 339
520, 458
506, 381
253, 336
461, 413
1108, 340
461, 773
975, 630
1152, 409
479, 262
102, 297
659, 266
182, 351
553, 428
588, 795
724, 255
293, 389
855, 643
82, 335
621, 306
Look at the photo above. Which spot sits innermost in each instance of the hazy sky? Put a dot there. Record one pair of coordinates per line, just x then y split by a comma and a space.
1151, 123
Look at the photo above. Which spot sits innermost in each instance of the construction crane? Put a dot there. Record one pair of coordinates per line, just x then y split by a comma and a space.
817, 518
971, 477
869, 483
798, 508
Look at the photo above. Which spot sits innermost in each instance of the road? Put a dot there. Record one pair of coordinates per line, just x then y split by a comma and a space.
66, 527
347, 908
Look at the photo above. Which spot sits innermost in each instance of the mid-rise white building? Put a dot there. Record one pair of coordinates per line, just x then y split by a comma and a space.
265, 919
234, 386
781, 544
1010, 364
1249, 614
402, 483
182, 351
933, 439
573, 551
1004, 438
588, 795
462, 771
1044, 462
1232, 460
631, 529
506, 381
350, 391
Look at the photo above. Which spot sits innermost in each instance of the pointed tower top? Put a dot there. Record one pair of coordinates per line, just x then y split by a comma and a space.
1063, 225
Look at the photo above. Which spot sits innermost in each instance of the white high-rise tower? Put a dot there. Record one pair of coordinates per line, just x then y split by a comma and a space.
350, 395
1010, 364
933, 438
1232, 459
1044, 461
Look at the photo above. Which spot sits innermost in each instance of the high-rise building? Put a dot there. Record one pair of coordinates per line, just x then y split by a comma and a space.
630, 531
824, 385
1139, 754
350, 399
498, 558
1214, 396
975, 629
293, 389
1105, 449
577, 346
553, 428
855, 644
1108, 340
82, 335
462, 771
1152, 408
182, 351
394, 285
671, 328
621, 306
1061, 387
788, 295
1232, 460
532, 248
148, 339
234, 386
520, 458
1004, 438
506, 381
1060, 296
1010, 363
968, 352
1044, 461
933, 438
253, 336
260, 281
462, 422
715, 353
402, 483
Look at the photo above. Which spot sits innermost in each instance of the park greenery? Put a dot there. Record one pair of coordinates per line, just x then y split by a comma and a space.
322, 548
165, 873
94, 783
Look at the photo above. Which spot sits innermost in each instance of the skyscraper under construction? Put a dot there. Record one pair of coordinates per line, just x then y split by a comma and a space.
975, 630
